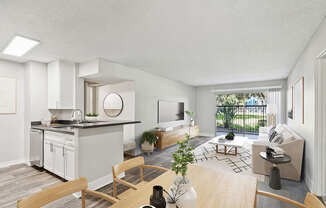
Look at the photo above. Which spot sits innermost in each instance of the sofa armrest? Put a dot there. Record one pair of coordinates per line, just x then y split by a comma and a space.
258, 163
258, 147
295, 150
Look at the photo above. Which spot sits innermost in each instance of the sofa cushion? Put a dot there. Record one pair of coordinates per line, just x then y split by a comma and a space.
261, 142
279, 128
263, 137
287, 136
266, 129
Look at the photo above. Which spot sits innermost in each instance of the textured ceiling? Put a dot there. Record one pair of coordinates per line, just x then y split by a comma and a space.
192, 41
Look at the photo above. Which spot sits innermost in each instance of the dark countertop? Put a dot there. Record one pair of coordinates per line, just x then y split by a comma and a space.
63, 127
103, 123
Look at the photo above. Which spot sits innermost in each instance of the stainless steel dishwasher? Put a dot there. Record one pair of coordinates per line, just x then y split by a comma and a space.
36, 147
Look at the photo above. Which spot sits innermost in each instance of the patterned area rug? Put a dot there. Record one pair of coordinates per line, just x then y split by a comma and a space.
205, 155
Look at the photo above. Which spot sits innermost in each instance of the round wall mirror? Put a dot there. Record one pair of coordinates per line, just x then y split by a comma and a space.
113, 105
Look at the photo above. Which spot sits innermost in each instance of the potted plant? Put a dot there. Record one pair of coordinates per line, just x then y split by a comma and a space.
91, 116
229, 136
181, 192
191, 115
148, 140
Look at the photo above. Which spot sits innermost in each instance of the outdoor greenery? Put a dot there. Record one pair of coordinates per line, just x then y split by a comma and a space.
182, 157
238, 99
225, 116
240, 116
248, 128
149, 137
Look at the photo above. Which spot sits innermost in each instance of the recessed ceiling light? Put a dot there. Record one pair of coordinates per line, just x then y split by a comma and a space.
19, 45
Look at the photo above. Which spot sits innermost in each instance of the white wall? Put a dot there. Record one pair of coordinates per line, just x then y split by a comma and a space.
305, 67
36, 100
78, 97
36, 81
127, 91
206, 102
12, 125
149, 89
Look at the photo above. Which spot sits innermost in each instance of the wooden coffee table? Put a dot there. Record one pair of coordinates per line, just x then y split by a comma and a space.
229, 145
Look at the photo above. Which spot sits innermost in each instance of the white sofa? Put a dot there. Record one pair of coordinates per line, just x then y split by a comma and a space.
293, 145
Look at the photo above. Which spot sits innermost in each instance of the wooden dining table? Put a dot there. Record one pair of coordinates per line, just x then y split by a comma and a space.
214, 189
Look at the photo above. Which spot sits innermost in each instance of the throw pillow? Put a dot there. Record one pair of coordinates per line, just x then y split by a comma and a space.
279, 128
278, 139
268, 128
272, 133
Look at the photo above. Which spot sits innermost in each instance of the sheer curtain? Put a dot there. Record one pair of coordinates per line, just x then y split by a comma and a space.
319, 172
274, 107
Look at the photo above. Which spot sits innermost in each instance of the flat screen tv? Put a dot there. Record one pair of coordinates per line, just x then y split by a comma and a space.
170, 111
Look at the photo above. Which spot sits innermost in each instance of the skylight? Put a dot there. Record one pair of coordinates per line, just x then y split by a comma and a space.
19, 46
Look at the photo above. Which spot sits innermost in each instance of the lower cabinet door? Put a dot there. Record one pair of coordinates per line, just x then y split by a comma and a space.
48, 156
59, 162
70, 164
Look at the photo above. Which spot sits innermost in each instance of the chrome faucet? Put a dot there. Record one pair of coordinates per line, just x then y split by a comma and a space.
80, 115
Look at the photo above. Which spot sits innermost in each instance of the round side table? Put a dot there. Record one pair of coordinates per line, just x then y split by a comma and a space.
274, 176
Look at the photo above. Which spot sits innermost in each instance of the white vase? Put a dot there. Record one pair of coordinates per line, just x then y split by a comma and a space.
188, 198
192, 122
90, 118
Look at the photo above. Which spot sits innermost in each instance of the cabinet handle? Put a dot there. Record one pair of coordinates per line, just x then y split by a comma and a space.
63, 151
51, 147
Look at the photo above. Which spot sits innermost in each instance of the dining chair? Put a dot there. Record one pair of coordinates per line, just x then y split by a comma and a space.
127, 165
311, 200
59, 191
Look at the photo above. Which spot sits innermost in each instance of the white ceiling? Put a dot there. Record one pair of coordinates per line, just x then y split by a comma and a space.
198, 42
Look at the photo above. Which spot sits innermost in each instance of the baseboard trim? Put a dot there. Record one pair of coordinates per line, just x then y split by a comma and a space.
309, 182
10, 163
206, 134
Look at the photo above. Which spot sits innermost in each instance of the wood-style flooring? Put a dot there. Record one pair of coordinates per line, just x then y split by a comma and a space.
20, 181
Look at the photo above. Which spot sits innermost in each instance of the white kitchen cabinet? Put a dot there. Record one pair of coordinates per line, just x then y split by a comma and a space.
61, 85
69, 153
59, 154
48, 155
59, 160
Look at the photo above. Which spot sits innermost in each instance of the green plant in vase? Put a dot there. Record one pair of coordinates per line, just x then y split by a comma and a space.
182, 158
148, 140
191, 114
91, 116
181, 193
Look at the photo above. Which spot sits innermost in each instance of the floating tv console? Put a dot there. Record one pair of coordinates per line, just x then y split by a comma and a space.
169, 138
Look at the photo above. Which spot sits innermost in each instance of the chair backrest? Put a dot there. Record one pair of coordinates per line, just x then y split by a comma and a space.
54, 193
312, 201
127, 165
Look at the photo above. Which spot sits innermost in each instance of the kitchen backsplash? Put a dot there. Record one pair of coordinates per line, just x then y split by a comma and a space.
62, 114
